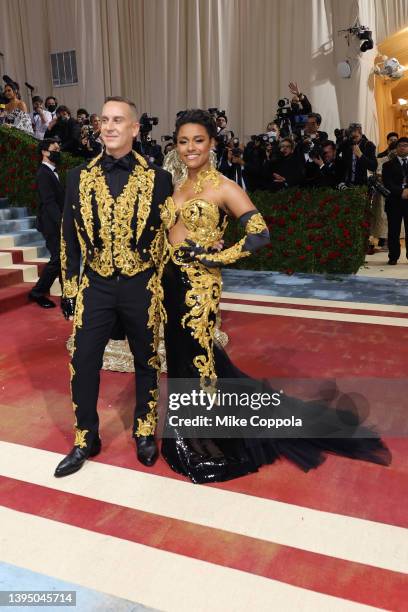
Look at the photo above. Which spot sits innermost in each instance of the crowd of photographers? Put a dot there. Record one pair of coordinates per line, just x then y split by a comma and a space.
293, 151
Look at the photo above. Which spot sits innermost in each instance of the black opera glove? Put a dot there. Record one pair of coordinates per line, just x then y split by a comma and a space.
192, 252
68, 307
256, 236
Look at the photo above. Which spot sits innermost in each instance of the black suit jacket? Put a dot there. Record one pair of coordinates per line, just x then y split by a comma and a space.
326, 176
291, 167
68, 132
140, 226
51, 194
393, 179
368, 161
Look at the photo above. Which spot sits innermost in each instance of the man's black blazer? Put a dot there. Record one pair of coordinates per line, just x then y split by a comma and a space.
51, 194
81, 223
393, 178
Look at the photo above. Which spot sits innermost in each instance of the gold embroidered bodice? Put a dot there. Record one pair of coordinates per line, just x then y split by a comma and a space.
203, 220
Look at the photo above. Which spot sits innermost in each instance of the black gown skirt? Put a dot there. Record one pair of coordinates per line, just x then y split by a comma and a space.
191, 301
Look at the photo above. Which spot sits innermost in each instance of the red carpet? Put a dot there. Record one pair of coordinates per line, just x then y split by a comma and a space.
36, 412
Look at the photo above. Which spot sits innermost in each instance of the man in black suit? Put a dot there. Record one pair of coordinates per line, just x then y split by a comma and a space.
324, 171
395, 178
112, 222
286, 171
66, 129
49, 218
358, 155
391, 137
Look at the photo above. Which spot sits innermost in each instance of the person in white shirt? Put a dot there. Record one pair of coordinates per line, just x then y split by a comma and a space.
40, 118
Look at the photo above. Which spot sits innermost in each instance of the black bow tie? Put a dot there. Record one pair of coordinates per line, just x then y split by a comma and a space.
109, 162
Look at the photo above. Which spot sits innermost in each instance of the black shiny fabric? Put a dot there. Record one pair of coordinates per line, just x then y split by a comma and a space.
215, 460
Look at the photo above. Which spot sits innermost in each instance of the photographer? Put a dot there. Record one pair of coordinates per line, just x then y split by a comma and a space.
232, 163
284, 171
325, 168
51, 105
300, 105
66, 130
91, 143
149, 149
358, 155
40, 118
392, 137
254, 157
82, 117
395, 179
224, 135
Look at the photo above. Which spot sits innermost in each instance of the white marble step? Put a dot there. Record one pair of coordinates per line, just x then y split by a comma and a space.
30, 272
6, 259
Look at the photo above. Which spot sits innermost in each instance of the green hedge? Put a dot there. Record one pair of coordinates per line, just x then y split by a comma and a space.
316, 230
19, 162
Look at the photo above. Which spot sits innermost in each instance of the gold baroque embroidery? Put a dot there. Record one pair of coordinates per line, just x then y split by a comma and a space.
147, 426
81, 242
209, 175
145, 183
86, 181
255, 224
202, 301
228, 256
115, 218
69, 286
80, 437
79, 306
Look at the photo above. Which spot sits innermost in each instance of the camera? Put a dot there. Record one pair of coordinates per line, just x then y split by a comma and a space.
146, 124
316, 151
375, 185
167, 137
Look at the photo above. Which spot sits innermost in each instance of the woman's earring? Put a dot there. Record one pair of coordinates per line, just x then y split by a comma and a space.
213, 159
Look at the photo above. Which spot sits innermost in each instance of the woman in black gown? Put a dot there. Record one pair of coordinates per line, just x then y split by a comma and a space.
195, 219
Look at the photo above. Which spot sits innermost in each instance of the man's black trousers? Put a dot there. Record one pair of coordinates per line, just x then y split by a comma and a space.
100, 303
396, 212
52, 269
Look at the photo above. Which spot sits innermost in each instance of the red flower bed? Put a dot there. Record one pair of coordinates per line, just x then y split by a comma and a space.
318, 230
19, 161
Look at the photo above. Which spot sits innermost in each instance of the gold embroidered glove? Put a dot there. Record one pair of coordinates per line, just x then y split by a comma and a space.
257, 236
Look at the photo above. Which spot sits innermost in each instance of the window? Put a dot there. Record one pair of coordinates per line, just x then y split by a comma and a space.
64, 68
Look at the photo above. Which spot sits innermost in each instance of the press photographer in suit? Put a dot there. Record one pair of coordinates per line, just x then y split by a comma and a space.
395, 179
49, 217
359, 156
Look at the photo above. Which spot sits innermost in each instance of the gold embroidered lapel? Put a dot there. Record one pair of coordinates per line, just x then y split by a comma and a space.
145, 183
115, 215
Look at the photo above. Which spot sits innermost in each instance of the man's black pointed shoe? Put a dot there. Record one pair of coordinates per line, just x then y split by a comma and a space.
76, 458
147, 451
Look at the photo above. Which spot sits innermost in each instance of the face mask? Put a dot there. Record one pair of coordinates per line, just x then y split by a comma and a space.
55, 157
51, 107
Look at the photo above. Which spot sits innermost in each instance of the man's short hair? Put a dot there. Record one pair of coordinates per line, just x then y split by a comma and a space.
44, 145
125, 101
289, 140
50, 98
390, 134
37, 99
63, 109
316, 116
82, 111
328, 143
402, 139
